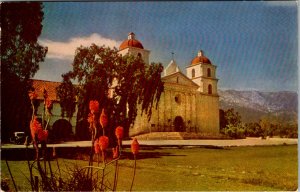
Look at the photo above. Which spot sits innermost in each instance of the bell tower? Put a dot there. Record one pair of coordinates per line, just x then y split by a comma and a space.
134, 47
203, 73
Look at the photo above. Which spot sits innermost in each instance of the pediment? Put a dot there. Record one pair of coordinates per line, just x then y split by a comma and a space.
179, 79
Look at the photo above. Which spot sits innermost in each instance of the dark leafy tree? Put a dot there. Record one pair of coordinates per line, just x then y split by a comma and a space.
253, 130
228, 117
232, 124
279, 125
100, 70
232, 117
21, 25
66, 93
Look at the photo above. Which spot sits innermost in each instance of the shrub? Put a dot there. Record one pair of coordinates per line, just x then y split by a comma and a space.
237, 132
253, 130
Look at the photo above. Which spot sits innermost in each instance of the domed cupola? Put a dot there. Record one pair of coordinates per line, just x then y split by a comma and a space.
131, 42
133, 47
200, 59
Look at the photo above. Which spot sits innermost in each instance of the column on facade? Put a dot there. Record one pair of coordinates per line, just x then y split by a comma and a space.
189, 114
171, 112
186, 118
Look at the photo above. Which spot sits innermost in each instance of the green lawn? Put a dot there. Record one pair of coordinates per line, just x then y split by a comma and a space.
236, 168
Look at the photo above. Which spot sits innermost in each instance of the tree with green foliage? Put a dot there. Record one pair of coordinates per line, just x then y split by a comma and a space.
99, 71
274, 125
21, 25
232, 117
253, 130
66, 93
232, 124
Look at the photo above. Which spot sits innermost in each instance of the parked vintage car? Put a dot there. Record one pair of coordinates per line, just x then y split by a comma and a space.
18, 138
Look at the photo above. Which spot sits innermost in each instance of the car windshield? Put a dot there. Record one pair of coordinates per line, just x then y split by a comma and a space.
20, 134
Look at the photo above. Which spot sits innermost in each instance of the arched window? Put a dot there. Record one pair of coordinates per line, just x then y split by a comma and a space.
209, 89
178, 99
208, 72
139, 55
193, 72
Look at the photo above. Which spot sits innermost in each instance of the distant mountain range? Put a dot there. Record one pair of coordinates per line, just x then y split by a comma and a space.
252, 105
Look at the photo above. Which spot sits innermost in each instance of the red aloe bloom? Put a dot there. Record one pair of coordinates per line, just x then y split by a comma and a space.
97, 147
119, 132
32, 95
103, 142
115, 152
35, 127
135, 146
42, 135
103, 119
94, 106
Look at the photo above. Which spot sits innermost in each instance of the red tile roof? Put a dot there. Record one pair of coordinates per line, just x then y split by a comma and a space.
131, 43
201, 59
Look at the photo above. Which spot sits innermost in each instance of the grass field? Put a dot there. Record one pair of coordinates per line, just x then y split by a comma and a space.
235, 168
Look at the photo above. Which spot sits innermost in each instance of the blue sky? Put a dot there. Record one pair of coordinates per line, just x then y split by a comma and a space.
253, 44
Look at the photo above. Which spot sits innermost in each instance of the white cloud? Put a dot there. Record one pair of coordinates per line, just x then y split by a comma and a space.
66, 50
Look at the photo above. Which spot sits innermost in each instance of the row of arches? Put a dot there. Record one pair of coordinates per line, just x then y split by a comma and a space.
62, 129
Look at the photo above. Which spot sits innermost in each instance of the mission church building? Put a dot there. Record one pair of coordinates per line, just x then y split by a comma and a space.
189, 103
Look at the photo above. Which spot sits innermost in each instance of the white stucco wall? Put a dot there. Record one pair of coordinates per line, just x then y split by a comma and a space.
135, 51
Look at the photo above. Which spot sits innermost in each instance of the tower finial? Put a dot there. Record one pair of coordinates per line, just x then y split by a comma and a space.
200, 53
131, 35
172, 55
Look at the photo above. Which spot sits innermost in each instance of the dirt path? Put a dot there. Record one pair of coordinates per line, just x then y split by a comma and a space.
219, 143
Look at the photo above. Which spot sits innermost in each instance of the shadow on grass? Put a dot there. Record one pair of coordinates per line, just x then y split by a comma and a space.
82, 153
148, 155
79, 153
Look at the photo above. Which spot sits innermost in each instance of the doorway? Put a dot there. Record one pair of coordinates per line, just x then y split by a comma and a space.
179, 124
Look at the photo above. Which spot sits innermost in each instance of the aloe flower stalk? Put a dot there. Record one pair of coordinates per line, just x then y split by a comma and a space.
135, 150
119, 132
103, 121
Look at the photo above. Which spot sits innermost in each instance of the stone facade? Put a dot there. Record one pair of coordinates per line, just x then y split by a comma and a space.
182, 108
